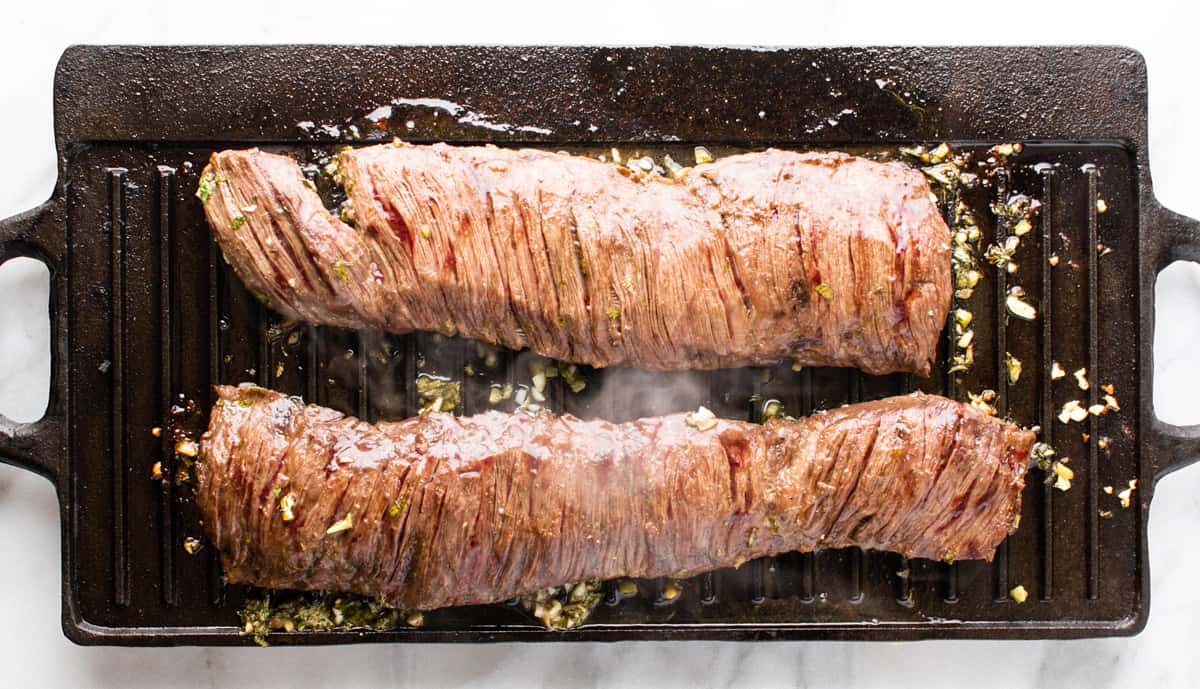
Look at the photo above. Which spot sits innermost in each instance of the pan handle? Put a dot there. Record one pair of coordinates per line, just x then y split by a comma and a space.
40, 446
1176, 238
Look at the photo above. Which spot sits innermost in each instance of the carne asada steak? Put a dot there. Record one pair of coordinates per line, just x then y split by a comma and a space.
440, 510
823, 258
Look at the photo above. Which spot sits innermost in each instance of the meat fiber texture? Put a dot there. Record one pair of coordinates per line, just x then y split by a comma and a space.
440, 510
821, 258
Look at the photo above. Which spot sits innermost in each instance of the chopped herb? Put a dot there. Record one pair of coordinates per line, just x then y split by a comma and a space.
825, 291
426, 231
237, 223
341, 269
261, 296
613, 314
208, 184
440, 392
316, 611
563, 607
397, 508
1040, 455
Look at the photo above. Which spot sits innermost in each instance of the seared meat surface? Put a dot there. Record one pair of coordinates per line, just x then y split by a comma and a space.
822, 258
441, 510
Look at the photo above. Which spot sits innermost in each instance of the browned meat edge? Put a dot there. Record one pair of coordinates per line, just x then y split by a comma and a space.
449, 510
824, 258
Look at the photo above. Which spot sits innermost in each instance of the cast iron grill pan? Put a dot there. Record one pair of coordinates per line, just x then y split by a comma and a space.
144, 309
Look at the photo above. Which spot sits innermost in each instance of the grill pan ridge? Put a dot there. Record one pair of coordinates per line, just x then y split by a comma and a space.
143, 309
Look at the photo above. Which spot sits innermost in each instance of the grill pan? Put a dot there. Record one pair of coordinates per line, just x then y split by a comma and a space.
143, 309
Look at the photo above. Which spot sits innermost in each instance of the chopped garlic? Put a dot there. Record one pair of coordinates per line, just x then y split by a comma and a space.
1108, 490
1014, 368
1056, 371
1019, 594
1022, 228
702, 419
1081, 378
1101, 206
701, 153
287, 506
1072, 411
187, 448
963, 318
1111, 402
344, 524
1097, 409
1126, 496
1019, 308
983, 401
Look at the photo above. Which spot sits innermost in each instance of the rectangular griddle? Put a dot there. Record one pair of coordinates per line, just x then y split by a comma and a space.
143, 310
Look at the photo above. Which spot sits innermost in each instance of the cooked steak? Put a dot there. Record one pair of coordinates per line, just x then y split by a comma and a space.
823, 258
441, 510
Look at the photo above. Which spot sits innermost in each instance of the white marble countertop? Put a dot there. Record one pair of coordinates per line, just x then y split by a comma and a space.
34, 652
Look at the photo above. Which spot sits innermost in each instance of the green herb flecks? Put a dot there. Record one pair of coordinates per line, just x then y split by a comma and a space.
341, 269
316, 612
437, 394
208, 184
563, 607
238, 221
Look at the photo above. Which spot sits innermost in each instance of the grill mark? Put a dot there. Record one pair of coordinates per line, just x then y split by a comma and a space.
737, 278
862, 469
394, 219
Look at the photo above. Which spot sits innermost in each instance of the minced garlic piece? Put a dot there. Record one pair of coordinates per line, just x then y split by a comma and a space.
983, 401
1126, 496
702, 419
1111, 402
1020, 308
1063, 476
287, 505
1081, 379
1056, 371
1014, 367
1019, 594
344, 524
1072, 411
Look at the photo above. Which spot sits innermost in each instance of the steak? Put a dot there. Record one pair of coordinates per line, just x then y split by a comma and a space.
440, 510
822, 258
